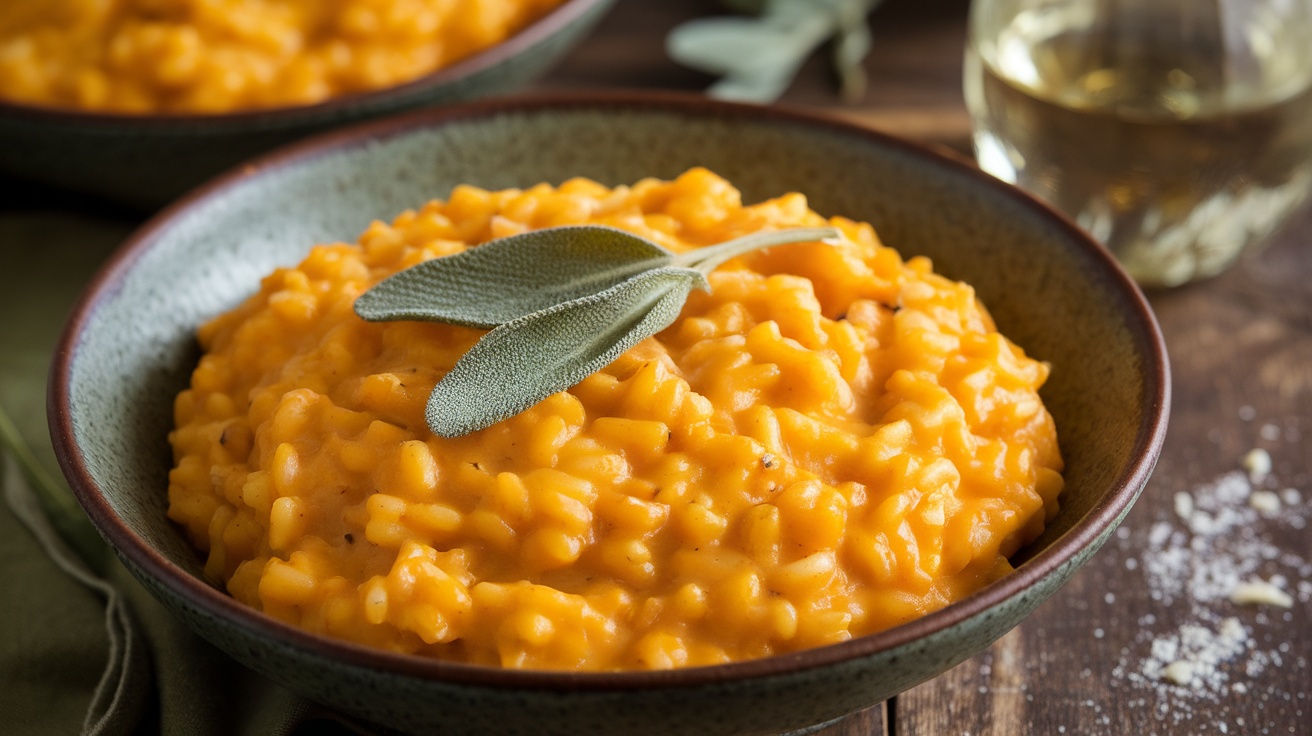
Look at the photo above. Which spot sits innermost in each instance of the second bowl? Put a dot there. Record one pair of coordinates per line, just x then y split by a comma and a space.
147, 160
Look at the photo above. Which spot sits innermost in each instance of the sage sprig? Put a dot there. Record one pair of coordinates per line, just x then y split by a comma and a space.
757, 57
508, 278
561, 303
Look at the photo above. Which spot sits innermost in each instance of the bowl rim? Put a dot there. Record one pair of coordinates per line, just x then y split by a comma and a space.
381, 100
1141, 324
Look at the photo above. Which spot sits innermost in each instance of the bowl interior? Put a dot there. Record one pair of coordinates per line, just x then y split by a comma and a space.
131, 346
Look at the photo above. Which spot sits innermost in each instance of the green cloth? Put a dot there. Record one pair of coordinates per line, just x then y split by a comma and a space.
83, 647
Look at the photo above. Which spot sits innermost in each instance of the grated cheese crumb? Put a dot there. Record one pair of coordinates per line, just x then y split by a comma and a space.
1180, 672
1260, 592
1258, 464
1184, 505
1198, 553
1267, 502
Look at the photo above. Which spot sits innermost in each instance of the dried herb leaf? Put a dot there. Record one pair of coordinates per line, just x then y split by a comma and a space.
850, 50
511, 277
757, 57
712, 257
524, 361
562, 302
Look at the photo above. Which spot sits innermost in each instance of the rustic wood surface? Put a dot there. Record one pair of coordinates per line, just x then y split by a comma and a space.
1241, 350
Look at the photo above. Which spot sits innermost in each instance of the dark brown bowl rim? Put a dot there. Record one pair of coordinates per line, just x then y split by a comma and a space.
1140, 322
554, 21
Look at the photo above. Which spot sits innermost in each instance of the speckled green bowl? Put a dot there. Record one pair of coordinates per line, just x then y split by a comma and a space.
148, 160
129, 348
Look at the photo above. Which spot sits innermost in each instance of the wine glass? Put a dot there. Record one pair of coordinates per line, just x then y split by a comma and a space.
1177, 132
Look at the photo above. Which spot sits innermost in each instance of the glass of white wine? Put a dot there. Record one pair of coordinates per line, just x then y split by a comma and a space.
1177, 132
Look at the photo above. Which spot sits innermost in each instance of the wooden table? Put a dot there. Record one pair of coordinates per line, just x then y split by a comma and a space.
1241, 348
1241, 353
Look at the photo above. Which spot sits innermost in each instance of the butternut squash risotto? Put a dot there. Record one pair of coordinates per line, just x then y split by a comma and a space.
212, 56
831, 442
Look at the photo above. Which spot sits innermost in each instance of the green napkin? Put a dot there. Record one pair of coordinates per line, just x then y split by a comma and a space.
83, 647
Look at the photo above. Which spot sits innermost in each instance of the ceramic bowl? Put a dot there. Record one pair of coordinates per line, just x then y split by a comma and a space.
145, 161
129, 348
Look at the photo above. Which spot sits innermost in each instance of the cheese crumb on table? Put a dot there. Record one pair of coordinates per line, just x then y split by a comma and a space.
1179, 672
1258, 464
1261, 592
1266, 502
1210, 550
1184, 505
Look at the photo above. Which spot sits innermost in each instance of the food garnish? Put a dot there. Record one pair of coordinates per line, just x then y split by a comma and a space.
561, 303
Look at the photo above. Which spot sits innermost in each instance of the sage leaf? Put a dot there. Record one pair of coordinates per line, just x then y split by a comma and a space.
712, 257
758, 56
850, 50
524, 361
508, 278
757, 59
727, 45
562, 303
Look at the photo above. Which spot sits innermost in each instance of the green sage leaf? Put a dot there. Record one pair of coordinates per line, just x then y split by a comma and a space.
524, 361
712, 257
757, 57
730, 45
851, 47
509, 278
562, 303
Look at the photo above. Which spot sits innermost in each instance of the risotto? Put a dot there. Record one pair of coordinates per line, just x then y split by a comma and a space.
212, 56
831, 442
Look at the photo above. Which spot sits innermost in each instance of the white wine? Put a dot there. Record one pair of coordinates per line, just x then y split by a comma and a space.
1175, 161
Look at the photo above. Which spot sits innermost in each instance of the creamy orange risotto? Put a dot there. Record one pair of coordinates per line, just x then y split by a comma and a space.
831, 442
209, 56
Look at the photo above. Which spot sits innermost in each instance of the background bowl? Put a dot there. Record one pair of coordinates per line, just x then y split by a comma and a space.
147, 160
129, 348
